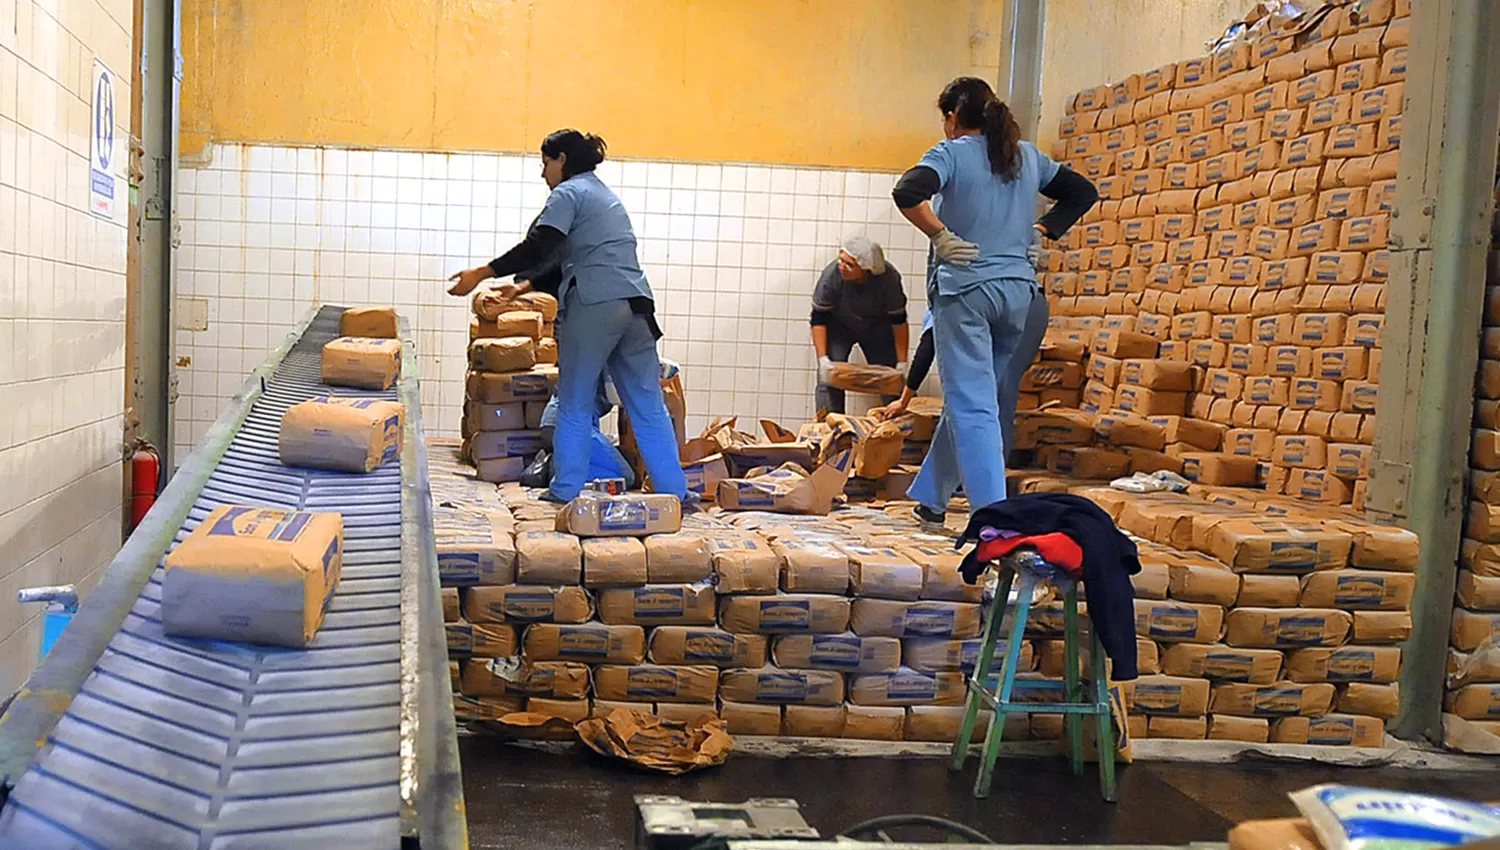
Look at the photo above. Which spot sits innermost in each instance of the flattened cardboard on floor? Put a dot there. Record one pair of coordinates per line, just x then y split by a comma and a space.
341, 434
256, 575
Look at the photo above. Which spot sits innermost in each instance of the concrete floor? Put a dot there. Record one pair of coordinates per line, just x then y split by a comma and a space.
523, 798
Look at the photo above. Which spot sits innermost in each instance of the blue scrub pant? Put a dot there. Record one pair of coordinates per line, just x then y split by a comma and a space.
985, 339
594, 337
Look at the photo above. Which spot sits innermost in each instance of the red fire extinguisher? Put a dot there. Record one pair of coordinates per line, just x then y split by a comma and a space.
145, 475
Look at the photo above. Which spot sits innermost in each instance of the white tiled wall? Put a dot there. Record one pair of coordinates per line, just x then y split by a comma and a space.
62, 311
732, 252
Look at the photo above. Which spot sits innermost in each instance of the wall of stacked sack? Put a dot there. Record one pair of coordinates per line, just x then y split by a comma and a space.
1474, 657
1234, 272
512, 371
1259, 619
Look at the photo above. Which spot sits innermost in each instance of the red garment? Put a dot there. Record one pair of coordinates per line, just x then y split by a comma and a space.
1055, 547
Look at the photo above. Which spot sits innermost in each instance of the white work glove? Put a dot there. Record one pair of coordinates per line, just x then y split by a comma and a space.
951, 249
825, 369
901, 367
1034, 251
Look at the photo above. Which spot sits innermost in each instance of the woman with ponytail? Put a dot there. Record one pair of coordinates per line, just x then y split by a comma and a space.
607, 317
974, 195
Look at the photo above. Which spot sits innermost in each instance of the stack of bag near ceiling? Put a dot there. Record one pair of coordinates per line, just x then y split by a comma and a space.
1474, 657
1234, 271
512, 372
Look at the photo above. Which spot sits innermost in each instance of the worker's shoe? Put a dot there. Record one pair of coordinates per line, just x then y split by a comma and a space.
930, 519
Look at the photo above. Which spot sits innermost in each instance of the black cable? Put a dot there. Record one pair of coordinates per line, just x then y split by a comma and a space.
931, 821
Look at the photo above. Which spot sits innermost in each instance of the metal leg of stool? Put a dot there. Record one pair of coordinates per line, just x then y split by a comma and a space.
981, 672
1007, 682
1073, 687
1106, 740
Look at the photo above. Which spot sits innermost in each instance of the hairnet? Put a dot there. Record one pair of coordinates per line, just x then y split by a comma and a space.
867, 253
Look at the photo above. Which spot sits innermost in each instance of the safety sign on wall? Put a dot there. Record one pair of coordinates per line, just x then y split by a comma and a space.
102, 143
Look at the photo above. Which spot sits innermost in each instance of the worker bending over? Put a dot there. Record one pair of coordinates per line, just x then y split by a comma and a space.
988, 313
858, 301
607, 315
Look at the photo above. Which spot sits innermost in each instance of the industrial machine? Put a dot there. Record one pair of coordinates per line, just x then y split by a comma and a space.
125, 738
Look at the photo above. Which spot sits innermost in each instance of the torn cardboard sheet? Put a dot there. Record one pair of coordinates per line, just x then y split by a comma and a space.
788, 488
666, 746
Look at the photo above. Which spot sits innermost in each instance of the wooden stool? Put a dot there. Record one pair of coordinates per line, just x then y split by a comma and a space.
1032, 570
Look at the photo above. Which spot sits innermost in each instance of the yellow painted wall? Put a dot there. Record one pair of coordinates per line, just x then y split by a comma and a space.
1091, 42
822, 82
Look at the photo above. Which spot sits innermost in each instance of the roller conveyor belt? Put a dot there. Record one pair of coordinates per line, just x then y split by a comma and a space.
196, 744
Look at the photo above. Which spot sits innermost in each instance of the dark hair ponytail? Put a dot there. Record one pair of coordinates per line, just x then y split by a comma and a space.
974, 106
584, 151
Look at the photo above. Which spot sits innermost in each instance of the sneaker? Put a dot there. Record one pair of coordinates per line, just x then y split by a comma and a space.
929, 518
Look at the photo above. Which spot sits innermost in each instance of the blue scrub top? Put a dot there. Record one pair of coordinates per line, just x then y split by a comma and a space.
600, 249
984, 208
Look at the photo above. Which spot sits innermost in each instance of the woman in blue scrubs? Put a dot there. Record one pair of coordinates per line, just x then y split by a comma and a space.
607, 317
974, 195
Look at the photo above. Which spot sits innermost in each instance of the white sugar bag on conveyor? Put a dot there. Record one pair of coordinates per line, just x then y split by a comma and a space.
259, 575
374, 322
342, 434
362, 362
